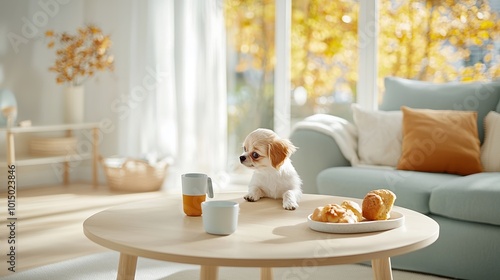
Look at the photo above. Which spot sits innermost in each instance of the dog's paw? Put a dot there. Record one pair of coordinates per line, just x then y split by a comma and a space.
289, 205
290, 200
251, 198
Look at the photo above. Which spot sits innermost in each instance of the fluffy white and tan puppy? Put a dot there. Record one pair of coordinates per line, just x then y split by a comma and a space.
274, 175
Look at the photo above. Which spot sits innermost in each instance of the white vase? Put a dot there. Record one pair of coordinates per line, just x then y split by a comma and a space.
73, 104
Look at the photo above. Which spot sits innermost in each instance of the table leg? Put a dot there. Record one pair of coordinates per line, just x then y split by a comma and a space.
11, 150
95, 156
126, 267
66, 166
209, 272
266, 273
66, 173
382, 269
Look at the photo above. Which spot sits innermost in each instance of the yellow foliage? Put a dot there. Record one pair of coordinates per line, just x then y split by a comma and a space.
487, 24
80, 55
418, 39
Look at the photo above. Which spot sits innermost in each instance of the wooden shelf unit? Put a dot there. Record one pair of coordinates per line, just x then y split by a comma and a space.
27, 160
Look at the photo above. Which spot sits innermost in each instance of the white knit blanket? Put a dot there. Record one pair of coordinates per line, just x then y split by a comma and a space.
342, 131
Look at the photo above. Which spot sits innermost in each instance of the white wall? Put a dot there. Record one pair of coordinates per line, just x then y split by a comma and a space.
25, 59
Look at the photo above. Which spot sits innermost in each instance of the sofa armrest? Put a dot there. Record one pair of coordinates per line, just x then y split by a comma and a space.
318, 149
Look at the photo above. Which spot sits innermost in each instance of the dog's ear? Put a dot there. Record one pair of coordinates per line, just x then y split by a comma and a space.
279, 150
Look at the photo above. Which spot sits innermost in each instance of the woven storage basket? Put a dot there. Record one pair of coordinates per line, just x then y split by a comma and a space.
134, 175
52, 146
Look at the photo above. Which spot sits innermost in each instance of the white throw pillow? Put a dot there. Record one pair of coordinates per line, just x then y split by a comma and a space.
490, 150
379, 136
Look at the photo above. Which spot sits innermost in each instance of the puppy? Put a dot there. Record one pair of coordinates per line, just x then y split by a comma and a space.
274, 175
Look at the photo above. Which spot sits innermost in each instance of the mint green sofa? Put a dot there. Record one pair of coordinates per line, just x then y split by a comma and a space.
467, 208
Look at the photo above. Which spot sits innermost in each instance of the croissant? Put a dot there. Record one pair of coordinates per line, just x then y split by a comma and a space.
348, 212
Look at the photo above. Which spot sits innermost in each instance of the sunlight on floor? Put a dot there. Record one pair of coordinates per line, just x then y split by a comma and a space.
49, 222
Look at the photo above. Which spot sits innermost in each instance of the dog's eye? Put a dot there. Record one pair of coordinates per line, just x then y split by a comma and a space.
255, 155
244, 149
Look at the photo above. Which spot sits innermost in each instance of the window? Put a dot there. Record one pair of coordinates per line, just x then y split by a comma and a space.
435, 41
438, 41
323, 67
250, 64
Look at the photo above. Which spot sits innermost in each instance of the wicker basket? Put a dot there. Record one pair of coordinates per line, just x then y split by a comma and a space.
132, 175
52, 146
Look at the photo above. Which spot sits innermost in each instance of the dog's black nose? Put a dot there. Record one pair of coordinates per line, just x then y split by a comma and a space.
242, 158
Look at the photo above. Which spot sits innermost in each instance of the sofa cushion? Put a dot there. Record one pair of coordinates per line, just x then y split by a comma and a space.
473, 198
413, 189
478, 96
379, 136
440, 141
490, 150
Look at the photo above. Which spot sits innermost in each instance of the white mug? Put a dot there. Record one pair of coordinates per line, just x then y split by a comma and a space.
220, 217
195, 187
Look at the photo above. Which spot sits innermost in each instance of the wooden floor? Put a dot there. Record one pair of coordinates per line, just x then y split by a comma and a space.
49, 221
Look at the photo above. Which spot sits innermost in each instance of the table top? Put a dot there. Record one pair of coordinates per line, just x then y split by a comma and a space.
267, 235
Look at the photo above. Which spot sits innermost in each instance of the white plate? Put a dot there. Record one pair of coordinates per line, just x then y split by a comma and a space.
397, 219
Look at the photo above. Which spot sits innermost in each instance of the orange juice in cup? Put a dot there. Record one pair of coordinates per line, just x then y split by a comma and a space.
195, 187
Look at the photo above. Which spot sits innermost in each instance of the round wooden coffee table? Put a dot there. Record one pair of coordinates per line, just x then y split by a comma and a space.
267, 236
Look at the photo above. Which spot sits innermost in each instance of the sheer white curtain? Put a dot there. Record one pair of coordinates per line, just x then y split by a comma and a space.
177, 87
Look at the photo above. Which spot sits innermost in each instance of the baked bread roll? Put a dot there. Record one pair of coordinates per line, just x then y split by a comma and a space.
377, 204
354, 207
334, 213
316, 216
349, 217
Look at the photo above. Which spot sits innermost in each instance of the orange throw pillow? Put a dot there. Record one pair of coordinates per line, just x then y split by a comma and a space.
443, 141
